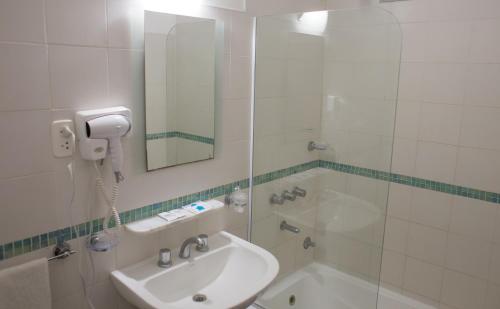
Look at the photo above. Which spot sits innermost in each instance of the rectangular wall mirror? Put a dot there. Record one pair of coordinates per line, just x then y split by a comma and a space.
180, 65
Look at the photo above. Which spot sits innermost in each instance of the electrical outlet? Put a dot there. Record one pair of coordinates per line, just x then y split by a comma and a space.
63, 142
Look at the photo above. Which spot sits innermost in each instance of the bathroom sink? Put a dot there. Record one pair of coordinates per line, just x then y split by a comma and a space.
230, 275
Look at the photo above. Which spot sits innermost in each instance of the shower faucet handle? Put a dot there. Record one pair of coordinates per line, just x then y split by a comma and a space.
299, 192
276, 199
287, 195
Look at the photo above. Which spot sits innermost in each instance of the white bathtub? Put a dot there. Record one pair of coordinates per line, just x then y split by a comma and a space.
317, 286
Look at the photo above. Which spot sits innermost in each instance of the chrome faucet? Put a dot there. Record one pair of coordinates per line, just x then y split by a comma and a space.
201, 242
285, 226
287, 195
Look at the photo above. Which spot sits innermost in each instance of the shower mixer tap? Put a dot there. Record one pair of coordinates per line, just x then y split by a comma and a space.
312, 145
284, 226
276, 199
299, 192
287, 195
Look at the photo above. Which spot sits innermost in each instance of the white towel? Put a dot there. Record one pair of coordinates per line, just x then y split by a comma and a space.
26, 286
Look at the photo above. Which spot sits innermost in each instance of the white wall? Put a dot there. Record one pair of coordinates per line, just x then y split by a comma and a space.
440, 248
59, 56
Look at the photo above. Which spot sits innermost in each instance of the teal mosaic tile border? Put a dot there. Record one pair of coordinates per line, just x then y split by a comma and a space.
44, 240
486, 196
183, 135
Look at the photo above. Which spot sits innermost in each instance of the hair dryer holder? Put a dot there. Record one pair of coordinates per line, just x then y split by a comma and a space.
97, 148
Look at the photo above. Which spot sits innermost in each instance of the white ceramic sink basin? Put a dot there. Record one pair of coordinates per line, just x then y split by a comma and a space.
231, 275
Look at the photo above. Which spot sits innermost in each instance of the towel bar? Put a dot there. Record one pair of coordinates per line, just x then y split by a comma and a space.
62, 250
62, 255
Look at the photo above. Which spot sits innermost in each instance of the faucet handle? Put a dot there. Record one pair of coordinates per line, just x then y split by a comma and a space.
203, 245
299, 191
276, 199
287, 195
165, 258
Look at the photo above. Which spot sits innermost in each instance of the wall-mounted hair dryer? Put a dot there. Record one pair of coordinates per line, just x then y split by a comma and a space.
99, 133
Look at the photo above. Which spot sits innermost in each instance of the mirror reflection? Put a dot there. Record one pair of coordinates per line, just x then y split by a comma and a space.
180, 89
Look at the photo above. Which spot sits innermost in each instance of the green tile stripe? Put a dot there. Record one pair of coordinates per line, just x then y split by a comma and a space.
44, 240
48, 239
414, 181
183, 135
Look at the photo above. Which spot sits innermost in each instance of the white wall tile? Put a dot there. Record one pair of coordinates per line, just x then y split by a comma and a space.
393, 266
436, 161
448, 42
23, 200
24, 82
440, 123
431, 208
443, 83
493, 297
125, 22
411, 81
485, 43
22, 20
135, 248
453, 10
415, 37
481, 87
408, 11
478, 168
241, 36
426, 243
468, 255
78, 77
404, 156
473, 218
126, 77
239, 85
463, 291
423, 278
27, 145
480, 128
494, 272
76, 22
407, 119
235, 127
396, 234
399, 201
496, 228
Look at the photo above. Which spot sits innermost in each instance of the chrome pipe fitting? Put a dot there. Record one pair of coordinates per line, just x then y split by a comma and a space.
316, 146
276, 199
284, 226
308, 243
299, 192
287, 195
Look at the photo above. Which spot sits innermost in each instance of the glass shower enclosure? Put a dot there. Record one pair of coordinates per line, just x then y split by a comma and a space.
324, 108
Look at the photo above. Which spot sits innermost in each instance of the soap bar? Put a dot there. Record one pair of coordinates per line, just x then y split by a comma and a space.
173, 214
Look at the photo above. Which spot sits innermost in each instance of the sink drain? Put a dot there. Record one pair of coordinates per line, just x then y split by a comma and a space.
199, 298
291, 300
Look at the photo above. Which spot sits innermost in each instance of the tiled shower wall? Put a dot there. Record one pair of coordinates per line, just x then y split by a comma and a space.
441, 248
59, 56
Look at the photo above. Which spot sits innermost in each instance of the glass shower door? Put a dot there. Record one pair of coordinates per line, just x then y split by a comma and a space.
325, 99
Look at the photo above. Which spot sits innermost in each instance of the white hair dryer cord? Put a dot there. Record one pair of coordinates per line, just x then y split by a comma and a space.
110, 201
